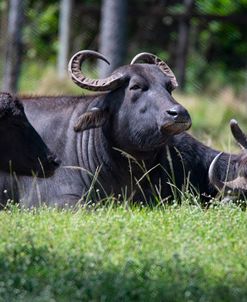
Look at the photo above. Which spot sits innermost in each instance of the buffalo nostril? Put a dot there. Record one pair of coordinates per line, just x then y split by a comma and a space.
172, 112
178, 114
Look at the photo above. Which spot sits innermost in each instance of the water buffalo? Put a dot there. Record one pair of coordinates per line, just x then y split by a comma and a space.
129, 140
22, 150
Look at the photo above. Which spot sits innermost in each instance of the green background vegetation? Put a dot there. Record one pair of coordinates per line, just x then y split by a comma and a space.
217, 39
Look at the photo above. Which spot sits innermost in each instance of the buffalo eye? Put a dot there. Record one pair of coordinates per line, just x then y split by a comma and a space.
135, 87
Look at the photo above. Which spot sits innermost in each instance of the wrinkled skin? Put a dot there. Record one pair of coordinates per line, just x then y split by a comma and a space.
140, 118
22, 150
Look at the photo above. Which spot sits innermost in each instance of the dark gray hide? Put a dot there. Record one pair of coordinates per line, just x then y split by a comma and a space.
141, 118
21, 148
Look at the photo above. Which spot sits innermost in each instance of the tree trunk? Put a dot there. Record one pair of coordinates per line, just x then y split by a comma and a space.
183, 44
14, 46
112, 34
64, 35
3, 38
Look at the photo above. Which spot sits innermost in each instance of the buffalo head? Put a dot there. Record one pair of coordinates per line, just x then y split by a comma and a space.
21, 148
138, 109
235, 179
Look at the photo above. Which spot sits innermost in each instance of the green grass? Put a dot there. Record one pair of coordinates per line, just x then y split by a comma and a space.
175, 253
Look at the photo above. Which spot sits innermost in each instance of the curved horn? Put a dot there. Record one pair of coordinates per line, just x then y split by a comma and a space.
238, 134
74, 68
212, 174
239, 183
152, 59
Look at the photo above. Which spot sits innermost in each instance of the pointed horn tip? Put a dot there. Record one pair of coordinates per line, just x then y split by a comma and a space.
233, 122
87, 53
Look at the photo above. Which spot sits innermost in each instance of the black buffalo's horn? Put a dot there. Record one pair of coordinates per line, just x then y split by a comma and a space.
212, 173
150, 58
238, 134
74, 68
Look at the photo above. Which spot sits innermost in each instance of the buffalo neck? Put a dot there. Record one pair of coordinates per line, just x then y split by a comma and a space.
109, 168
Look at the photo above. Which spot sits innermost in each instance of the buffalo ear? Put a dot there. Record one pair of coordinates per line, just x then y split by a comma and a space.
94, 118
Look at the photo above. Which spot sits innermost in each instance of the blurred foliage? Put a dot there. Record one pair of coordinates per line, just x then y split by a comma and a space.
41, 30
221, 7
217, 45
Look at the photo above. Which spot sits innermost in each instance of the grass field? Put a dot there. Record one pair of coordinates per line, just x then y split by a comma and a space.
175, 253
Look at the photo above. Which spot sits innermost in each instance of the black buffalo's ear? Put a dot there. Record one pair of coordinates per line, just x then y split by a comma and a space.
94, 118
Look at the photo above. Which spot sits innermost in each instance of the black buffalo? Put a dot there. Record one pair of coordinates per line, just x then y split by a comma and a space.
129, 140
22, 150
